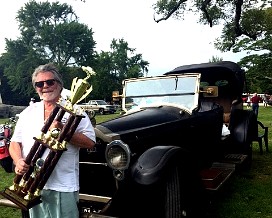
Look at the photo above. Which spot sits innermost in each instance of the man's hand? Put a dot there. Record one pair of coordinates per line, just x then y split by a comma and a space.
21, 167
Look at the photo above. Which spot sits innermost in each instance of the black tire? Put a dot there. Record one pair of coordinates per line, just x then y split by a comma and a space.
160, 200
173, 207
91, 114
179, 193
184, 194
101, 111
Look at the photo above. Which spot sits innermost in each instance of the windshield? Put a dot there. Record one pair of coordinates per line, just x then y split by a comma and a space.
180, 91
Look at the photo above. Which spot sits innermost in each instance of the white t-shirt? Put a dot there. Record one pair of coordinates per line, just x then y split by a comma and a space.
65, 176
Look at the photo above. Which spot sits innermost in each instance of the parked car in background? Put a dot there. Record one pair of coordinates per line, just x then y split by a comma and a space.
99, 106
182, 136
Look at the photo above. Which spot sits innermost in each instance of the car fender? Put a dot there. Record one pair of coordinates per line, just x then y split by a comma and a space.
151, 165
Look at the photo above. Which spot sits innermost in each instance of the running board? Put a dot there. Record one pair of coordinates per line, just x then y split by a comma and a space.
215, 177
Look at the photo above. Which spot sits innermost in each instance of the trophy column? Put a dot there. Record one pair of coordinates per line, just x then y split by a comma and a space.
25, 191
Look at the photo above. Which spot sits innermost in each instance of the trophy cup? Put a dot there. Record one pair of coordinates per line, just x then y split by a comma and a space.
25, 191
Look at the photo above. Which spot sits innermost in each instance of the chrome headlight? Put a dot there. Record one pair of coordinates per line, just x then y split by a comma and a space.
118, 155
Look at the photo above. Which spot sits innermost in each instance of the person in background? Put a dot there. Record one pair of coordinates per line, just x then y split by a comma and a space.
255, 100
248, 101
266, 99
60, 194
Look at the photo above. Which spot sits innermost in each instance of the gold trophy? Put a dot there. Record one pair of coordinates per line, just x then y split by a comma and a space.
25, 191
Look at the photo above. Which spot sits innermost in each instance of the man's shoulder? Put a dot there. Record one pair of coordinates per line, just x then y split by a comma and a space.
33, 107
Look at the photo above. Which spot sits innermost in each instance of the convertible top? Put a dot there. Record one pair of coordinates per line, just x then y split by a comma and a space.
217, 71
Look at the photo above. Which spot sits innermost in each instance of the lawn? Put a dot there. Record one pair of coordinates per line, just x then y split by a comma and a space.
247, 195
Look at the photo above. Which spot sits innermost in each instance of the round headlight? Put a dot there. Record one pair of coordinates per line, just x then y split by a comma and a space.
118, 155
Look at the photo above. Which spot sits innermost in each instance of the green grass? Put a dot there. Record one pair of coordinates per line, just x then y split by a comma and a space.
101, 118
5, 181
247, 195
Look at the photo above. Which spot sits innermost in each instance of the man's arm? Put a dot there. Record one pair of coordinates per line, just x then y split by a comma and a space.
78, 138
15, 150
81, 140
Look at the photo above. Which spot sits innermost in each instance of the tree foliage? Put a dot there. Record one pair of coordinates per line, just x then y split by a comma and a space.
55, 33
116, 65
50, 32
246, 27
215, 59
234, 15
258, 62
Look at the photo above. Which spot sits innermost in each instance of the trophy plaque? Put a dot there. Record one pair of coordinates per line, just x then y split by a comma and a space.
25, 190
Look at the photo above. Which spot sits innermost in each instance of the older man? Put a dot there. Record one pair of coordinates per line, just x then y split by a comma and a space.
60, 193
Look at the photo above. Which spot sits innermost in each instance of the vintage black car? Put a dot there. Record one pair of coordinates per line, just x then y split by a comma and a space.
183, 135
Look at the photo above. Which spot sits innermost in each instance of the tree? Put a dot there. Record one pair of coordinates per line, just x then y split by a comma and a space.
231, 13
246, 27
258, 62
215, 59
17, 65
115, 66
258, 72
127, 65
50, 32
104, 82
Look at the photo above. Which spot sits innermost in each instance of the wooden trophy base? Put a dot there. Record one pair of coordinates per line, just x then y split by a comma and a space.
19, 200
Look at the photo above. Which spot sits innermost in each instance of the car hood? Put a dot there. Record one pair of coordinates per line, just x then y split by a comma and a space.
139, 120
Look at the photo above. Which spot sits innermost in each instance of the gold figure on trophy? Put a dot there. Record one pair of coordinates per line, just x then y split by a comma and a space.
80, 88
25, 191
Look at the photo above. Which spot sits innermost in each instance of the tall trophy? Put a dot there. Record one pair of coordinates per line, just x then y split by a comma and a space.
26, 189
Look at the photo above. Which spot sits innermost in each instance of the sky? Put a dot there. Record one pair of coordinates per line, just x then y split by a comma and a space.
165, 45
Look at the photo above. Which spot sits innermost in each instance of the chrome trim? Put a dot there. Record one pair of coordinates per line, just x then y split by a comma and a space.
105, 134
125, 147
93, 163
95, 198
119, 174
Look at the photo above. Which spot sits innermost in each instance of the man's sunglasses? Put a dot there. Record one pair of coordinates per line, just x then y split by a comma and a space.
49, 82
